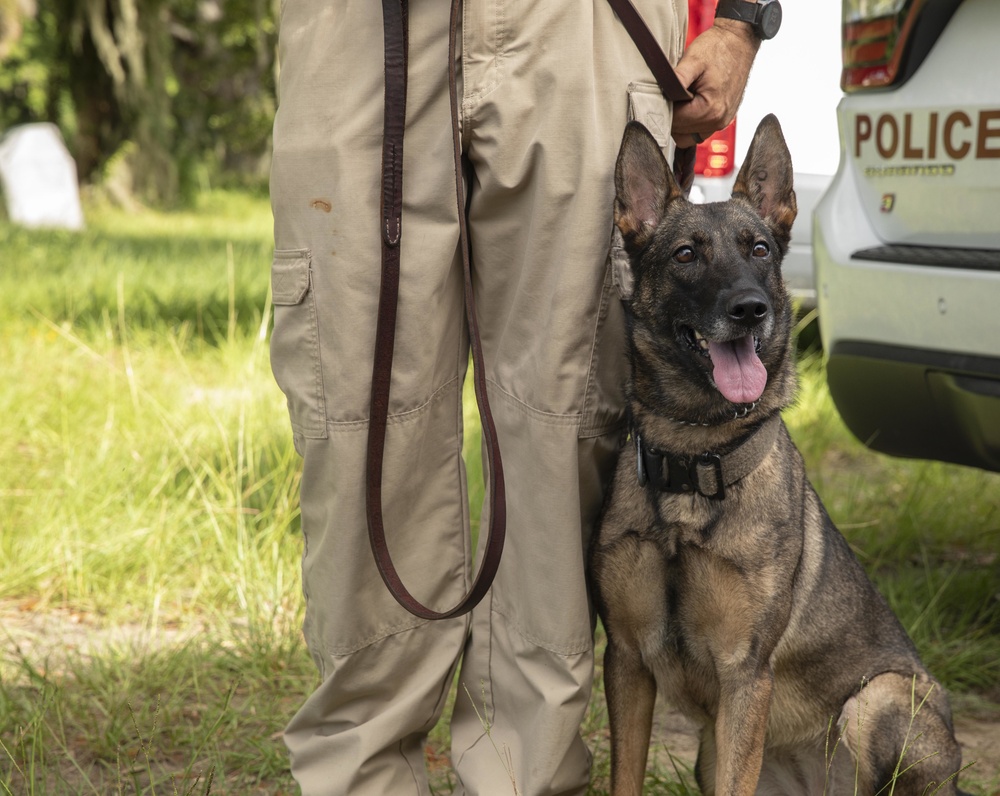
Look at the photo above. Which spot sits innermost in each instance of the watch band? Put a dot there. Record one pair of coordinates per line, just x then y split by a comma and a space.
764, 16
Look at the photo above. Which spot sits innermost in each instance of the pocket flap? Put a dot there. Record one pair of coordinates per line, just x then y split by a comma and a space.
647, 105
290, 279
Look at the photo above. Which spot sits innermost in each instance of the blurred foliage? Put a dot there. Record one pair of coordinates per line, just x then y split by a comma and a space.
155, 97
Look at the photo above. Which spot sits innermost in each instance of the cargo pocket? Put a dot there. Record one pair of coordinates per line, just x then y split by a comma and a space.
295, 357
646, 104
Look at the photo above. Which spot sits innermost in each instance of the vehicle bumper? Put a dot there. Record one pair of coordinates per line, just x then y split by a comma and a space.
916, 373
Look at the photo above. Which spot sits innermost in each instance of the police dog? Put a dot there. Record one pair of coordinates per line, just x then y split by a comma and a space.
719, 577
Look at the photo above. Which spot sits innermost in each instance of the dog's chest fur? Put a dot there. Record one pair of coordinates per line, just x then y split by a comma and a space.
717, 571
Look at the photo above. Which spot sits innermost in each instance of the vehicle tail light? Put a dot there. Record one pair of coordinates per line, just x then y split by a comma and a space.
875, 35
715, 156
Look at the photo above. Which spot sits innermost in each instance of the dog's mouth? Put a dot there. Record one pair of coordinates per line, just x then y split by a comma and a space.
737, 370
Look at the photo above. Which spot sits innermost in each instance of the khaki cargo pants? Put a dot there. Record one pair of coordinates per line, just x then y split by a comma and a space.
547, 87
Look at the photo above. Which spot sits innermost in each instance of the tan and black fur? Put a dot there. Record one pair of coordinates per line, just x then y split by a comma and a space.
749, 613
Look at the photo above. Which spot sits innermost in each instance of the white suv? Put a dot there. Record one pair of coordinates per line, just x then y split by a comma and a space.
907, 238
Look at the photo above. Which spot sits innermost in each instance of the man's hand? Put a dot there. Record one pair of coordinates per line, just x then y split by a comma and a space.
715, 69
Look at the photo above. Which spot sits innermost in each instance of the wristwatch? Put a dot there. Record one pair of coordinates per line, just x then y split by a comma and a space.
764, 16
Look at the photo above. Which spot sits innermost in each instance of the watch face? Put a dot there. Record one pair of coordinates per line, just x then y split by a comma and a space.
770, 20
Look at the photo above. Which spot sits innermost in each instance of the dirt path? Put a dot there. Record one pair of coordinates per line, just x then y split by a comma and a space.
39, 633
977, 726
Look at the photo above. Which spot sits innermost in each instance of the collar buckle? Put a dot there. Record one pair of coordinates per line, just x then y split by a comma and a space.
680, 475
714, 461
707, 474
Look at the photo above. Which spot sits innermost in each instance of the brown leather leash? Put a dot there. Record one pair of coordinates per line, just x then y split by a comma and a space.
394, 20
394, 14
651, 52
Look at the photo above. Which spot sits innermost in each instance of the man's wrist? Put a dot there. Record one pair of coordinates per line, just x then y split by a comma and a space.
739, 32
762, 17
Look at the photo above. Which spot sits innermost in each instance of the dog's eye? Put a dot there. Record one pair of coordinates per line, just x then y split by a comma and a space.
761, 249
684, 255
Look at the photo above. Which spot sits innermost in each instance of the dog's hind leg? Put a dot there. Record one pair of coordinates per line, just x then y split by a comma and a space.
899, 731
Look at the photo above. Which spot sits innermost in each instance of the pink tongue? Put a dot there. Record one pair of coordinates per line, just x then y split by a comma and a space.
739, 373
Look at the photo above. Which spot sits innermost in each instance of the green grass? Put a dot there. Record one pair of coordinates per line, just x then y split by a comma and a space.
149, 483
148, 495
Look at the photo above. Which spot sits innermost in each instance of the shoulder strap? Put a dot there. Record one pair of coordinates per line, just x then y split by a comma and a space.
652, 53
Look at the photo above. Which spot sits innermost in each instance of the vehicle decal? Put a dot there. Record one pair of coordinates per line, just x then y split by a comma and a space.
934, 170
928, 135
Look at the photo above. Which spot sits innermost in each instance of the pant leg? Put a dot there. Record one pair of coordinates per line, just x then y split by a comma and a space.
385, 674
548, 89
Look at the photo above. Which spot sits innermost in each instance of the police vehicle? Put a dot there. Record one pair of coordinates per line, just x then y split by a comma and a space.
907, 237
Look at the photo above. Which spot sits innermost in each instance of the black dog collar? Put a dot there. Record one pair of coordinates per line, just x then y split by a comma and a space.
708, 474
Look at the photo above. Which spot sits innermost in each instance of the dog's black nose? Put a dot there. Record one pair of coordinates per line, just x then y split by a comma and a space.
748, 307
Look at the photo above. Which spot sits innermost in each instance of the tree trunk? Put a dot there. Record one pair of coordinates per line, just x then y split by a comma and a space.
134, 47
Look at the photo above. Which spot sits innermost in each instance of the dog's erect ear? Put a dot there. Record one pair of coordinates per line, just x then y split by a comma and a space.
644, 186
766, 179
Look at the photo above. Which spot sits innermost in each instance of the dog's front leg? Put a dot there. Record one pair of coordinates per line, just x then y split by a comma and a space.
630, 690
744, 704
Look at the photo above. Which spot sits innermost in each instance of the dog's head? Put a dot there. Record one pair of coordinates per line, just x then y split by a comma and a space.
708, 308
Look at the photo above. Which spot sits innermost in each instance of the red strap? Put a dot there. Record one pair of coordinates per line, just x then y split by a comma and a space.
394, 20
